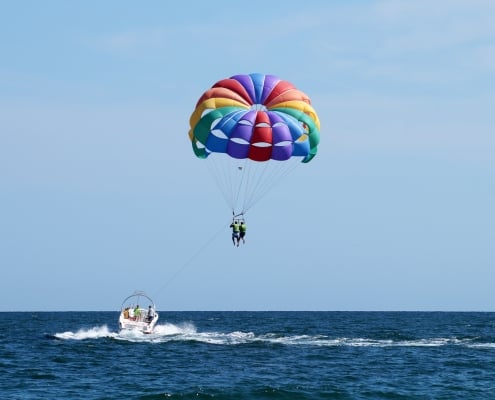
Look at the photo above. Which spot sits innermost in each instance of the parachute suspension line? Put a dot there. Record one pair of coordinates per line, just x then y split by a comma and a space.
259, 179
243, 182
190, 260
222, 167
276, 177
256, 177
275, 174
222, 177
246, 195
236, 170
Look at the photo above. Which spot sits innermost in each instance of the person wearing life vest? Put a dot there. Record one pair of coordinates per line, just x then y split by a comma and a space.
235, 232
137, 313
242, 231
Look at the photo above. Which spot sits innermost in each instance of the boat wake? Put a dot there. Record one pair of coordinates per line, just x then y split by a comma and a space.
163, 331
83, 334
187, 332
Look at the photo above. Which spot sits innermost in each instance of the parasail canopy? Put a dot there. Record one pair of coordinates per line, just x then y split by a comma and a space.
253, 129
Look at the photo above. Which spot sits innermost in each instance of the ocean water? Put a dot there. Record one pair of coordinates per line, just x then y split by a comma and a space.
249, 355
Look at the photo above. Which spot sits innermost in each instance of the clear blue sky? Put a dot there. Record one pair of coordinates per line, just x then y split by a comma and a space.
100, 193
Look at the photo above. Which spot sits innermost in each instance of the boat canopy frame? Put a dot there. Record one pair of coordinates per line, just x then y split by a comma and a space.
138, 294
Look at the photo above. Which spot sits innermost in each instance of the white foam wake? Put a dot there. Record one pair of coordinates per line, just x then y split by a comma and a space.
168, 332
82, 334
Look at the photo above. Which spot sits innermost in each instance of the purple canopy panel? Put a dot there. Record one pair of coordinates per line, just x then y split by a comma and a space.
241, 129
275, 117
249, 116
270, 82
241, 132
245, 80
238, 150
281, 153
281, 133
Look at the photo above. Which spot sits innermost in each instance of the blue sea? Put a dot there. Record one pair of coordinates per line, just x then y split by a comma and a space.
249, 355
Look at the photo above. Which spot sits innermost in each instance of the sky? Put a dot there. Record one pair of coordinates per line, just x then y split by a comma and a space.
101, 194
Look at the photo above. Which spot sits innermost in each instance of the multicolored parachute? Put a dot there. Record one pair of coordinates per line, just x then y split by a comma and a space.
258, 119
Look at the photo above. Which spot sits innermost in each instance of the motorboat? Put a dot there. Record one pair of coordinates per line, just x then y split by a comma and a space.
138, 313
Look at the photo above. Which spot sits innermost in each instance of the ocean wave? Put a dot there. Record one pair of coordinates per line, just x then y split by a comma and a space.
188, 332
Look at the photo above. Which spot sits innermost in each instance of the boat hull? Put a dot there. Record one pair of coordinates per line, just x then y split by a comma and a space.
147, 327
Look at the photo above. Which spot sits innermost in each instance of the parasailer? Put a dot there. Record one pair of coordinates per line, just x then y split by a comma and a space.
253, 130
236, 232
242, 231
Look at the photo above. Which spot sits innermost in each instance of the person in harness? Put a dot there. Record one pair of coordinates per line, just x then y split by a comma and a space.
236, 229
242, 231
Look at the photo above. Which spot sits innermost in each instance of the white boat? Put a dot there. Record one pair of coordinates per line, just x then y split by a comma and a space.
138, 313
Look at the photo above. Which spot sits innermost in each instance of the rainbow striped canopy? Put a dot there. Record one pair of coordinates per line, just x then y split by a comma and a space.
256, 116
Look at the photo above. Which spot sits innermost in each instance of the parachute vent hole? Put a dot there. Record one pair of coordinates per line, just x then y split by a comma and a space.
206, 112
240, 141
261, 144
219, 134
284, 143
215, 123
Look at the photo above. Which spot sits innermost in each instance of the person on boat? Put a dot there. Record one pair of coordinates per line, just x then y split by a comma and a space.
151, 314
131, 313
137, 312
242, 231
235, 232
126, 313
